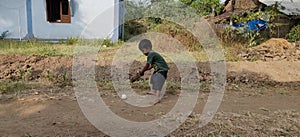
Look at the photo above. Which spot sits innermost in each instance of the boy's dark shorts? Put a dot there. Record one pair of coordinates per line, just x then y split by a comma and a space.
158, 79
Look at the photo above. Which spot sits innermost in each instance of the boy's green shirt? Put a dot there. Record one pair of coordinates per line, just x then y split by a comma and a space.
157, 61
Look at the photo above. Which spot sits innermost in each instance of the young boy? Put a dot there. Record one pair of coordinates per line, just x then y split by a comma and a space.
156, 61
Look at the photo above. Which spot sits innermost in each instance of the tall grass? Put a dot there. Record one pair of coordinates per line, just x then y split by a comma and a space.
35, 47
62, 48
66, 49
16, 87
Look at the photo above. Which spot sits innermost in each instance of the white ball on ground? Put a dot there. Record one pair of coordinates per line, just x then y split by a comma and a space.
123, 96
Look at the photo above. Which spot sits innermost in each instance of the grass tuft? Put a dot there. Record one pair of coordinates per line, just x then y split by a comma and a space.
14, 87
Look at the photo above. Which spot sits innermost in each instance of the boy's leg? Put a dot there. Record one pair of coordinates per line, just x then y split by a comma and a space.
152, 91
158, 95
158, 81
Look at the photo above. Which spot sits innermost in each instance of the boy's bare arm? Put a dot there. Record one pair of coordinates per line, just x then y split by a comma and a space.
145, 68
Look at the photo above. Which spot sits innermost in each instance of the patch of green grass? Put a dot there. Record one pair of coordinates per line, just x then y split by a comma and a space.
173, 85
106, 85
14, 87
106, 56
141, 84
35, 47
72, 41
200, 55
28, 135
205, 86
53, 49
61, 78
232, 53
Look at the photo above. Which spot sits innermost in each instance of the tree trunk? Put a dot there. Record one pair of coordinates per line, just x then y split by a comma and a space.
232, 11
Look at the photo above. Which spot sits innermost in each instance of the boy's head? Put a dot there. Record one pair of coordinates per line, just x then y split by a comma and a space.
145, 46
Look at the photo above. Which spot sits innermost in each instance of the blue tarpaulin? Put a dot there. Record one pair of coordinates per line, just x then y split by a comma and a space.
256, 25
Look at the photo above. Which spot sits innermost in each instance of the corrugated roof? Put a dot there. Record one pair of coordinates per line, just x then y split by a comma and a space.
292, 7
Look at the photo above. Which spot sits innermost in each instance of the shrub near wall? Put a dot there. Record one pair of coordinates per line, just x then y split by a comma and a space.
294, 34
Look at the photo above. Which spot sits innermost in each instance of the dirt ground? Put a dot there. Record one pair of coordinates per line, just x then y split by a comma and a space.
262, 98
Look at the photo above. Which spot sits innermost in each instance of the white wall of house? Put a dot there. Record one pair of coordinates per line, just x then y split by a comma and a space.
99, 19
13, 18
84, 12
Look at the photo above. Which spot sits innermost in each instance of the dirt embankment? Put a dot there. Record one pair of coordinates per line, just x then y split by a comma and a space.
33, 68
59, 69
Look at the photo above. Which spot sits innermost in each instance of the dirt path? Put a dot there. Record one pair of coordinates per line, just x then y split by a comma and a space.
261, 99
58, 114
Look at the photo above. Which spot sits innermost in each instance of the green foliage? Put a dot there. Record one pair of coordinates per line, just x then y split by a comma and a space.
294, 34
35, 47
230, 36
3, 34
153, 14
232, 52
107, 42
248, 39
72, 41
173, 86
268, 14
27, 75
204, 7
120, 42
133, 28
133, 10
51, 52
49, 76
154, 20
162, 16
61, 78
178, 32
28, 135
140, 85
13, 87
106, 85
253, 38
48, 48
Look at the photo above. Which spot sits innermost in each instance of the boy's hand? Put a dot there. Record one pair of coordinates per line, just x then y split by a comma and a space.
136, 77
141, 73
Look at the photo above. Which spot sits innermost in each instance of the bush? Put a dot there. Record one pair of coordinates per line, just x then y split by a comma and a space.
232, 36
294, 34
72, 41
3, 34
107, 42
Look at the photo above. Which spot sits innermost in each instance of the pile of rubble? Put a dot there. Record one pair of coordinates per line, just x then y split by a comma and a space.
275, 49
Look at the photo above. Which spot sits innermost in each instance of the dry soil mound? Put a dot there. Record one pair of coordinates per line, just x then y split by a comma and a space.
274, 49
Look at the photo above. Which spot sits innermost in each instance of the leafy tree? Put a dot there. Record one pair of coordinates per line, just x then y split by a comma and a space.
204, 7
133, 10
